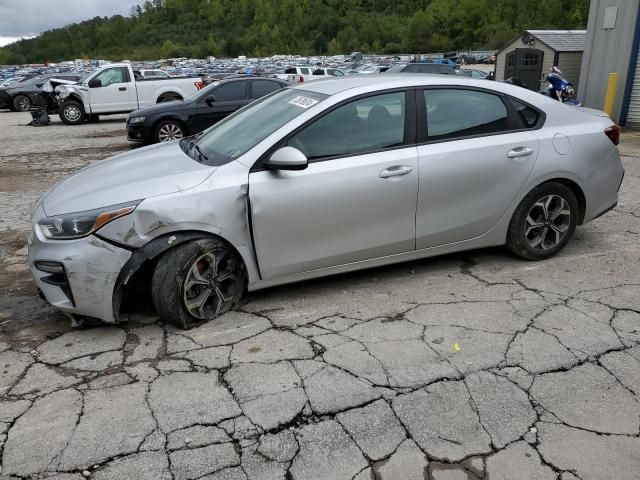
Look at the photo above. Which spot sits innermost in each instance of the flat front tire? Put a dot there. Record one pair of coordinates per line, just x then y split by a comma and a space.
197, 281
544, 222
72, 112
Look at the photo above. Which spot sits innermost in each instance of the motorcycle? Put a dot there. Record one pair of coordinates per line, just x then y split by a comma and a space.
560, 88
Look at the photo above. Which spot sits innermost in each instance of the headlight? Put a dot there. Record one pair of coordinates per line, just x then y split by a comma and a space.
137, 119
81, 224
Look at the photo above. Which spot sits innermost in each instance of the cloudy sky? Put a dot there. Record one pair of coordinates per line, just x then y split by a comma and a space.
26, 18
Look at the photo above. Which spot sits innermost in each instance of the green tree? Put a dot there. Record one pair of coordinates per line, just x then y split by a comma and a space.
169, 49
167, 28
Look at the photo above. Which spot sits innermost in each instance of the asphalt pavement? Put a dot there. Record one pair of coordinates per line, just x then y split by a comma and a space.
470, 366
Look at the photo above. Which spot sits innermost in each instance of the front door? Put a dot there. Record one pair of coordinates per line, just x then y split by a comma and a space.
528, 67
355, 201
112, 91
475, 162
225, 99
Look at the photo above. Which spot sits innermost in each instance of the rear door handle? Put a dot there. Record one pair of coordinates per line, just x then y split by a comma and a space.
122, 89
396, 171
520, 152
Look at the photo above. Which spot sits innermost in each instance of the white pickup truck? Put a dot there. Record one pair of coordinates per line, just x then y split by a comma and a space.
116, 88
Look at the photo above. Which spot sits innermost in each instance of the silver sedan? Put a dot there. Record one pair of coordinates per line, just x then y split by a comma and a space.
327, 177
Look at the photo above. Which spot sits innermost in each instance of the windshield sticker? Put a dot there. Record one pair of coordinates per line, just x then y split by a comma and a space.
304, 102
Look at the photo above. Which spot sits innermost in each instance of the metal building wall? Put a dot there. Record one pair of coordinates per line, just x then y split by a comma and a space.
606, 51
632, 98
570, 63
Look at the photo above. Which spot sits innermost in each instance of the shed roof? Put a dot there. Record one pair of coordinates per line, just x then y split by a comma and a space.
561, 40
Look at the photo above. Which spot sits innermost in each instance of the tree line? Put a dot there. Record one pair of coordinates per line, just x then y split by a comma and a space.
228, 28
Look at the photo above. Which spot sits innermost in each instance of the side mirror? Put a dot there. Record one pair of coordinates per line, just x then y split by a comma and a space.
210, 99
95, 83
287, 158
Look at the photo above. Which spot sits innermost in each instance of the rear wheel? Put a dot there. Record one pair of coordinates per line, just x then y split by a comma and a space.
168, 130
21, 103
544, 222
197, 281
72, 112
168, 98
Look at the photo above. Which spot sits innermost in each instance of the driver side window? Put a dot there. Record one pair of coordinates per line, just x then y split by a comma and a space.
362, 126
111, 76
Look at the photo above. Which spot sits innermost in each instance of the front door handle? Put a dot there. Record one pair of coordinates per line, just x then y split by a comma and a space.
520, 152
122, 89
397, 171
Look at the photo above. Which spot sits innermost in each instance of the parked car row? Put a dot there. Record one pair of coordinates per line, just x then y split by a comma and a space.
174, 120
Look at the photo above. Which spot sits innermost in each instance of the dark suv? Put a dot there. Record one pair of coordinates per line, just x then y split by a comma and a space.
172, 120
422, 68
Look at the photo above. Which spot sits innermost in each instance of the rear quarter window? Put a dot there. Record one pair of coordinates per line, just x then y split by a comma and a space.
529, 116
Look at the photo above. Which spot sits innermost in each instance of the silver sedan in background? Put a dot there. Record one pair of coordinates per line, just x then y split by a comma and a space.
327, 177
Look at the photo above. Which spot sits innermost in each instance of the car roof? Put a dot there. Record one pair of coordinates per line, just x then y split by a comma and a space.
374, 82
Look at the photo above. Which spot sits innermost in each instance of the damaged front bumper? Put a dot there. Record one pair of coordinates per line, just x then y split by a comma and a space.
77, 277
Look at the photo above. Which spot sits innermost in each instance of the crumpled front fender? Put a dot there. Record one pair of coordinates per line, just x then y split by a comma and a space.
79, 91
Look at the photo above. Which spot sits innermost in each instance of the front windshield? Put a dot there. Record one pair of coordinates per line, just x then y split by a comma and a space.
32, 81
240, 132
86, 76
204, 93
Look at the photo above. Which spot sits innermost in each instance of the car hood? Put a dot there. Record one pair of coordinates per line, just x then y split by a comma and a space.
146, 172
163, 107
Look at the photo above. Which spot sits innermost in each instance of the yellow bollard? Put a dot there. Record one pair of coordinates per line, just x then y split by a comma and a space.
610, 98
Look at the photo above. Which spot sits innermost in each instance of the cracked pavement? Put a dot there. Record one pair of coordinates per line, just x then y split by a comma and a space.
472, 366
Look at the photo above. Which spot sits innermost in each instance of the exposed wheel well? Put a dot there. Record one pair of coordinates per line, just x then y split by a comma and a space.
577, 191
167, 96
137, 290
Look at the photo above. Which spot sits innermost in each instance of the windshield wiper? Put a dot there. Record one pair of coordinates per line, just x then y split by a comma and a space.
197, 149
193, 150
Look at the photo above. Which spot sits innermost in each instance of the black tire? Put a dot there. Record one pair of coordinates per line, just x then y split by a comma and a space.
72, 112
168, 98
168, 130
179, 275
21, 103
544, 222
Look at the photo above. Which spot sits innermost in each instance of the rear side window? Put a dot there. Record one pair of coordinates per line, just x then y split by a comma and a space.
260, 88
528, 115
457, 113
412, 68
229, 92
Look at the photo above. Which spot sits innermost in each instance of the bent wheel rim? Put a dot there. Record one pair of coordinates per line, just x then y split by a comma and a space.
169, 131
72, 113
547, 223
211, 284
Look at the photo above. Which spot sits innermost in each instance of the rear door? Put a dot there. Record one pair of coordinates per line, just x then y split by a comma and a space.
225, 99
355, 201
261, 87
477, 152
114, 91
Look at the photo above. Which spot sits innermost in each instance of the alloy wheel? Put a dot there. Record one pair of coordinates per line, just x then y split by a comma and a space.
23, 104
211, 284
169, 131
547, 222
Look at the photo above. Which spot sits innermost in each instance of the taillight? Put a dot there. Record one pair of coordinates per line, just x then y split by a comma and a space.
613, 132
301, 79
199, 85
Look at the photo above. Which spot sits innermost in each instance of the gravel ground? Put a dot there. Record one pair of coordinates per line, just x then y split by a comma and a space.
471, 366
